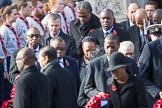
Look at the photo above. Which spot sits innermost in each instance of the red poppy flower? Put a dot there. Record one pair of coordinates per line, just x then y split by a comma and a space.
158, 104
91, 30
113, 88
67, 63
114, 32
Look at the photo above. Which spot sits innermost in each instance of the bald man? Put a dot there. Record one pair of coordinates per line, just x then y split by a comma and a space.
132, 7
59, 78
157, 16
32, 88
33, 39
137, 33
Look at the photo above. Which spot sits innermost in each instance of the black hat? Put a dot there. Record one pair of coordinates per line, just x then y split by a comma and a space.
117, 60
155, 29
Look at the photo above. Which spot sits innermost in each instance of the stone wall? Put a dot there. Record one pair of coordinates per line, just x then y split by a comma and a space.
119, 7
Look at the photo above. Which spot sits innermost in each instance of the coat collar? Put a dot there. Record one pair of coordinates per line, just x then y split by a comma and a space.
159, 45
29, 69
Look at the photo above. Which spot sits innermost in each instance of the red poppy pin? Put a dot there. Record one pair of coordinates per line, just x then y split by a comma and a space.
113, 88
90, 30
114, 32
67, 63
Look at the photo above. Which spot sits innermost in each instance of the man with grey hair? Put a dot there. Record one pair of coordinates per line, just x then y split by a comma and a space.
127, 48
85, 23
54, 27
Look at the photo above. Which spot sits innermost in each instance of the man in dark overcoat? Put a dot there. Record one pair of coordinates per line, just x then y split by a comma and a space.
62, 92
150, 68
32, 88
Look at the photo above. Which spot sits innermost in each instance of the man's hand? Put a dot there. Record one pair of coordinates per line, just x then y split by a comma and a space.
17, 76
160, 93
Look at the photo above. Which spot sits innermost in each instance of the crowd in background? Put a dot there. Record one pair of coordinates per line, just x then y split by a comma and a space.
58, 54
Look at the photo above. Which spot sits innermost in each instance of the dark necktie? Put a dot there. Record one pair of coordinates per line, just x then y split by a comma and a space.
16, 35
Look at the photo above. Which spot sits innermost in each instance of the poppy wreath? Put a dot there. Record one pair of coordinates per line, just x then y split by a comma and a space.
158, 104
6, 103
94, 102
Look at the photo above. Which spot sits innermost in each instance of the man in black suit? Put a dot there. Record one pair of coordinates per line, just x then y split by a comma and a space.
137, 33
132, 7
108, 25
33, 39
85, 23
62, 92
54, 26
150, 68
66, 62
96, 80
32, 88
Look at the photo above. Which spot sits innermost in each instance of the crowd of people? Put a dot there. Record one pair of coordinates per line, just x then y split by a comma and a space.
59, 54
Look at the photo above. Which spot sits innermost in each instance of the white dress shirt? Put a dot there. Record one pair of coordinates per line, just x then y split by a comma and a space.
61, 62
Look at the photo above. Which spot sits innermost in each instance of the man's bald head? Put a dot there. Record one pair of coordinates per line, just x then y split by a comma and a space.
25, 58
33, 37
32, 29
157, 16
26, 52
140, 15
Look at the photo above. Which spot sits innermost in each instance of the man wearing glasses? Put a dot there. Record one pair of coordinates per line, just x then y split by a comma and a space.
32, 39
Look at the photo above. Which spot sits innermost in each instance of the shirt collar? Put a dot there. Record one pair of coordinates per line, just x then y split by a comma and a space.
109, 31
51, 62
131, 23
57, 34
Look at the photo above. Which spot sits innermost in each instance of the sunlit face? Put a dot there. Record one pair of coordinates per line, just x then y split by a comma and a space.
139, 22
20, 62
129, 52
54, 26
60, 48
131, 12
88, 48
118, 73
155, 36
28, 9
110, 46
33, 38
83, 16
58, 6
106, 20
42, 60
12, 17
150, 10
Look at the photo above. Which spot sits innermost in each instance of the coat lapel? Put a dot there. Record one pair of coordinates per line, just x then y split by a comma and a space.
159, 45
126, 86
105, 65
114, 94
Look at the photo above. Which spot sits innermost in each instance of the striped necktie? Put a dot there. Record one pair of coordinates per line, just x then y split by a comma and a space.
23, 19
16, 35
39, 22
63, 14
3, 46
